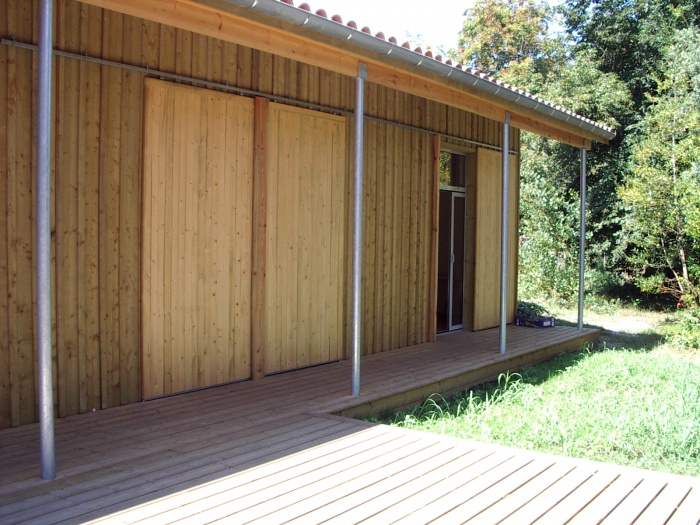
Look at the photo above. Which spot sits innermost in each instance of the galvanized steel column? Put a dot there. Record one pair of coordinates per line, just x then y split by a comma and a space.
504, 235
43, 240
582, 239
357, 227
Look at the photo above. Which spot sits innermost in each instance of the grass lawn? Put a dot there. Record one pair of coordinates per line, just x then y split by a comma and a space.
636, 403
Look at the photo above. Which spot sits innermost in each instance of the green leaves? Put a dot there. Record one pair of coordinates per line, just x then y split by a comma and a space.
631, 64
509, 38
661, 228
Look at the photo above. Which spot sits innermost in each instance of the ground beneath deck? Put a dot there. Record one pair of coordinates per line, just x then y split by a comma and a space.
272, 451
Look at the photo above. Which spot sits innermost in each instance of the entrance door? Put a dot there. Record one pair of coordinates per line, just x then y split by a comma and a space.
450, 300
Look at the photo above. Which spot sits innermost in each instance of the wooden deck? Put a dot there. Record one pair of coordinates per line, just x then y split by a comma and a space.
275, 451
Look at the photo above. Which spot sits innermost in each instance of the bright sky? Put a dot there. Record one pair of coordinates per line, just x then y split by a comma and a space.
427, 22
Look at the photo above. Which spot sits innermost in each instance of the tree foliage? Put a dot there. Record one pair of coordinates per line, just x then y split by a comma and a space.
629, 36
661, 228
545, 65
510, 38
631, 64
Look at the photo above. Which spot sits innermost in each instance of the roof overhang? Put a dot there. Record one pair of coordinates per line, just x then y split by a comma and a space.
278, 28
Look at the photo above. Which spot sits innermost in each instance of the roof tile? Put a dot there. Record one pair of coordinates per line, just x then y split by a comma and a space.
428, 53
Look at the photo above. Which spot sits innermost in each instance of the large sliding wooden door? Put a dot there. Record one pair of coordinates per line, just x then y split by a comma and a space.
197, 228
487, 268
306, 238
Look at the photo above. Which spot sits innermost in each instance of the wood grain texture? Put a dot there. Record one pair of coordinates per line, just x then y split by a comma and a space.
305, 296
97, 203
206, 156
487, 267
271, 451
396, 251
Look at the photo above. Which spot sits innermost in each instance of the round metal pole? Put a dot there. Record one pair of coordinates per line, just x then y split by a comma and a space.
357, 228
582, 240
43, 240
504, 235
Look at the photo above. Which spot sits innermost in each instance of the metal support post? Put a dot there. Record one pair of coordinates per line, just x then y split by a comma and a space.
43, 240
357, 228
582, 239
504, 235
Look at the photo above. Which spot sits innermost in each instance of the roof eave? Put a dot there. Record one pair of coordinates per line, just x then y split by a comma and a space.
474, 80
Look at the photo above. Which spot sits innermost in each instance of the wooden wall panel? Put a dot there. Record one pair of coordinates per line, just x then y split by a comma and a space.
18, 317
513, 236
198, 163
97, 197
487, 280
397, 238
488, 239
5, 385
306, 233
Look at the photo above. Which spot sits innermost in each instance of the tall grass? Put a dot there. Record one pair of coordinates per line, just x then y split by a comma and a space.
628, 407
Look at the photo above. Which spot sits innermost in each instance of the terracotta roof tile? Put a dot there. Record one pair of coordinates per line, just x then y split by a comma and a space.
428, 53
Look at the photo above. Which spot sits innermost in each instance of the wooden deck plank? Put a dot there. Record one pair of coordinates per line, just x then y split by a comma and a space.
543, 502
270, 451
394, 504
365, 471
485, 499
567, 508
342, 506
484, 460
506, 465
369, 474
224, 462
637, 502
515, 500
206, 503
598, 509
665, 504
688, 512
229, 506
227, 465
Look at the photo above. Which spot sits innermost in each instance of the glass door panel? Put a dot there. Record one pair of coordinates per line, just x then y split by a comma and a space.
457, 279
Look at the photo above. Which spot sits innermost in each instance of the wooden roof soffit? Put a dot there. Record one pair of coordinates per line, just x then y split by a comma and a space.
296, 43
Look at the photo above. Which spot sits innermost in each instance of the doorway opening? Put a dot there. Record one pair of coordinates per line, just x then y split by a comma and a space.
451, 242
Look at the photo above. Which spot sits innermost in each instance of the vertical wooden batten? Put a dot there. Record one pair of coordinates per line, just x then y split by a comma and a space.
259, 238
97, 218
434, 221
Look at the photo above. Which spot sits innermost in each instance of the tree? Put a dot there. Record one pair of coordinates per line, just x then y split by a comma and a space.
550, 185
510, 38
661, 229
629, 36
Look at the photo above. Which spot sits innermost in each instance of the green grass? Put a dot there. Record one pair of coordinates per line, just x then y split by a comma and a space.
638, 407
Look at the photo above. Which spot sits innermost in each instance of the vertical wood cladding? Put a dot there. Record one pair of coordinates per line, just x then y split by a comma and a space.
305, 238
97, 195
197, 238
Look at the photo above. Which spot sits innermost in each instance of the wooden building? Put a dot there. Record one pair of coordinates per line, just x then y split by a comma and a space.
202, 201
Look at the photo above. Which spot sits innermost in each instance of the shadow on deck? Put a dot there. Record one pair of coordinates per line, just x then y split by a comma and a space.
275, 451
